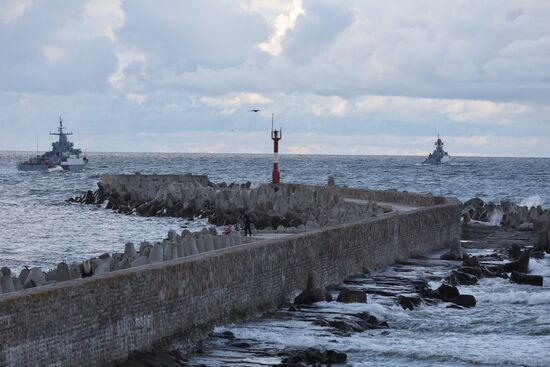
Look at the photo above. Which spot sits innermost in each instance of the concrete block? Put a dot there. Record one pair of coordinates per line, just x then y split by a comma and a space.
141, 260
6, 284
193, 246
157, 254
130, 250
17, 284
35, 278
217, 242
226, 241
208, 243
180, 250
62, 272
200, 245
103, 266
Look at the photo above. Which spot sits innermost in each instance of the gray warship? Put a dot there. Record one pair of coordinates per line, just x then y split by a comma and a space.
62, 156
439, 155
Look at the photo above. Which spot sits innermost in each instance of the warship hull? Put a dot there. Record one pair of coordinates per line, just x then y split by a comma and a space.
62, 156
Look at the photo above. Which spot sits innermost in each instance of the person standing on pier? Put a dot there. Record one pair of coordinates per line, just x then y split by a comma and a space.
247, 228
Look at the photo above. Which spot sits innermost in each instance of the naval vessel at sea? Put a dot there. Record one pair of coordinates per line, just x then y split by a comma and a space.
439, 155
62, 155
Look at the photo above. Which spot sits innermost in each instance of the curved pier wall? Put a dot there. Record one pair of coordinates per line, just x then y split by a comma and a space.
97, 321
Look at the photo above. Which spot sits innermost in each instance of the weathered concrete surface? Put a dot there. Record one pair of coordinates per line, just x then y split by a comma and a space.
98, 321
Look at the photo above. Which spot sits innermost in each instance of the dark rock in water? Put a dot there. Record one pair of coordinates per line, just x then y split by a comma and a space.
420, 284
5, 271
458, 277
526, 279
521, 265
313, 293
314, 357
347, 295
465, 300
334, 357
347, 326
514, 252
475, 271
310, 296
471, 261
537, 253
409, 302
447, 292
543, 241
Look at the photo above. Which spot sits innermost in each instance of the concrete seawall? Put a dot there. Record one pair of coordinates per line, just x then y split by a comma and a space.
98, 321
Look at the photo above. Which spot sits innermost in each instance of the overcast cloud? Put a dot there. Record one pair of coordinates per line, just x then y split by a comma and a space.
341, 76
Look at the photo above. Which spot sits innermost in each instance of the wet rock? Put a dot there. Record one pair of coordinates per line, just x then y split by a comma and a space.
514, 252
447, 292
471, 261
521, 278
465, 300
474, 271
458, 277
521, 265
313, 293
5, 271
409, 302
346, 326
310, 296
351, 296
314, 357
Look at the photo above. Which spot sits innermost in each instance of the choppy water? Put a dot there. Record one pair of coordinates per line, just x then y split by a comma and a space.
38, 228
509, 327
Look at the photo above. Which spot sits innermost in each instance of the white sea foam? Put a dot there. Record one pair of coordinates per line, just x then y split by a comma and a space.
533, 200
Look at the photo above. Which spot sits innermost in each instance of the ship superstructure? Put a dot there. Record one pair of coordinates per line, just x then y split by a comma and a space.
63, 154
439, 155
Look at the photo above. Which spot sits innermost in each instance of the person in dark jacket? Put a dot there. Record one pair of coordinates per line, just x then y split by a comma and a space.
247, 229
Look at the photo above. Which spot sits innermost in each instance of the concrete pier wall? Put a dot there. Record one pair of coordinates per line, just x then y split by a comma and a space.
98, 321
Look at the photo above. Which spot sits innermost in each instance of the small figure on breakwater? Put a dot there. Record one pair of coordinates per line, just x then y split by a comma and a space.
247, 229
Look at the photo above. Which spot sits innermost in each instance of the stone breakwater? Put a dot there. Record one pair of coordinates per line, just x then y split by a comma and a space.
286, 206
175, 246
99, 320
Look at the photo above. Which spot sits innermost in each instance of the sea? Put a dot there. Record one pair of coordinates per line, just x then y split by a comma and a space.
509, 327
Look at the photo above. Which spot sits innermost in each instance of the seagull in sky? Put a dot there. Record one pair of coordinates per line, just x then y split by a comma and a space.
255, 110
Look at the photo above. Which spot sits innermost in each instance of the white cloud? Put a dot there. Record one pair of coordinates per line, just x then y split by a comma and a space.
281, 25
10, 10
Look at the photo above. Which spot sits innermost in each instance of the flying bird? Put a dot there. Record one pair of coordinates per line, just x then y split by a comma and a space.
255, 110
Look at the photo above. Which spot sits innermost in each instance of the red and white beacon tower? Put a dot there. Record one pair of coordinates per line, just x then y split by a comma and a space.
276, 135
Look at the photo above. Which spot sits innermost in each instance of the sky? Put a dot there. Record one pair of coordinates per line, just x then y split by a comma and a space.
340, 76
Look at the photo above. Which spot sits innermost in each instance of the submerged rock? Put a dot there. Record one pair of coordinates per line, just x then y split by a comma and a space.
521, 278
347, 295
409, 302
521, 265
465, 300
